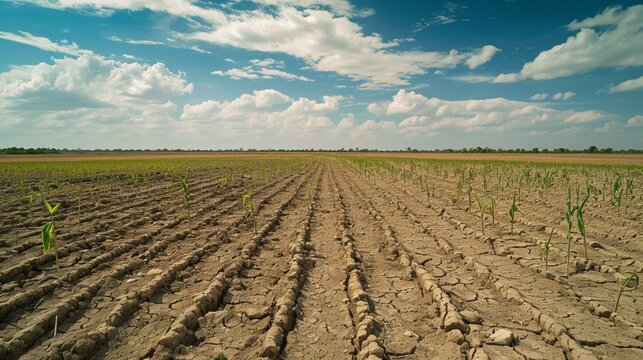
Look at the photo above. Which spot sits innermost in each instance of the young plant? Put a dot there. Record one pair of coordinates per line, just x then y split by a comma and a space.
245, 202
568, 217
482, 208
493, 209
513, 209
186, 193
616, 201
544, 252
469, 190
581, 221
223, 183
632, 278
48, 234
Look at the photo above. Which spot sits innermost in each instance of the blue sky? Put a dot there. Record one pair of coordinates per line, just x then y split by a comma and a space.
320, 74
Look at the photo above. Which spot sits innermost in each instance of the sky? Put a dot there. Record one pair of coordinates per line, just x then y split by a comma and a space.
322, 74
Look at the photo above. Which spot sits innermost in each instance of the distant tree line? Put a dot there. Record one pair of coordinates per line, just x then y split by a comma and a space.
591, 149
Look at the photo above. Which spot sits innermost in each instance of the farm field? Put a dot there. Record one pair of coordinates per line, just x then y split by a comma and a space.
330, 257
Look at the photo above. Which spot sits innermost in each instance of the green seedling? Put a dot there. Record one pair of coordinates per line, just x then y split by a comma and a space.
469, 190
568, 217
458, 193
581, 221
48, 234
245, 202
186, 193
632, 278
221, 356
617, 199
513, 209
493, 210
544, 252
224, 182
482, 208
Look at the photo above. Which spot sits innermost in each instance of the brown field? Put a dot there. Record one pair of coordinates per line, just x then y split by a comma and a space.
349, 259
612, 159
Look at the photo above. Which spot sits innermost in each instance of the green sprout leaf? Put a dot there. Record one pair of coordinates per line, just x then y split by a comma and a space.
47, 235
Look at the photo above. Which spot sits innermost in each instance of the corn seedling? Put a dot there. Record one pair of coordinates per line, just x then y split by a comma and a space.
513, 209
568, 217
48, 234
469, 190
544, 252
482, 208
617, 198
245, 202
632, 278
223, 183
493, 210
581, 221
186, 193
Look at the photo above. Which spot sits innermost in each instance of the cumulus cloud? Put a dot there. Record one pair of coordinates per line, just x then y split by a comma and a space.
481, 57
427, 115
611, 39
629, 85
635, 121
330, 43
44, 43
266, 112
563, 95
320, 32
90, 93
539, 97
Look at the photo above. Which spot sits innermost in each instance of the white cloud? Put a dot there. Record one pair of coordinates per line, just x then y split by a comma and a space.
134, 42
330, 43
266, 62
90, 93
282, 74
483, 56
260, 68
611, 39
584, 117
199, 50
320, 32
181, 8
635, 121
539, 97
263, 114
346, 123
427, 115
237, 74
607, 127
629, 85
447, 15
564, 96
338, 7
471, 78
43, 43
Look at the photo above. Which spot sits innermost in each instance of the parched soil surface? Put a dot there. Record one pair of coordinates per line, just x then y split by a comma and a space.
336, 264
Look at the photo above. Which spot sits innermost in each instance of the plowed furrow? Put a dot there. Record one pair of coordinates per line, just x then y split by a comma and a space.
548, 298
173, 249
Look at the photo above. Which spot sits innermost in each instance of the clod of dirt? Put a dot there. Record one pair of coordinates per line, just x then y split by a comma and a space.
471, 317
502, 337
